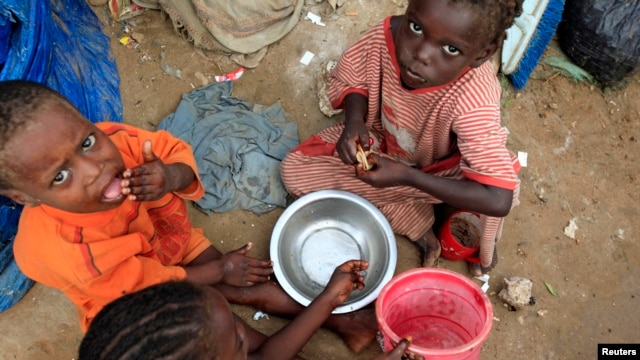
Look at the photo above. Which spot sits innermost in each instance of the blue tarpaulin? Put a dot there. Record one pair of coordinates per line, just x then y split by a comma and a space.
58, 43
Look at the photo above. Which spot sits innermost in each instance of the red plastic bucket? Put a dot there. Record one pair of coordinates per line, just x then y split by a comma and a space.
447, 315
460, 225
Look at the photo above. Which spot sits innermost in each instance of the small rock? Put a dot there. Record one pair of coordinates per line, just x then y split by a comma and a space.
516, 292
541, 313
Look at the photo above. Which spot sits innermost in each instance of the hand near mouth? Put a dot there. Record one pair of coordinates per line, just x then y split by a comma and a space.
154, 179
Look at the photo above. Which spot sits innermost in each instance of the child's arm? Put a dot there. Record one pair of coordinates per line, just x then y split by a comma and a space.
154, 179
233, 268
355, 130
252, 336
287, 342
463, 194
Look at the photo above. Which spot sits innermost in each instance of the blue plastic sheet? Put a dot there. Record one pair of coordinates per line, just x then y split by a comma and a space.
59, 43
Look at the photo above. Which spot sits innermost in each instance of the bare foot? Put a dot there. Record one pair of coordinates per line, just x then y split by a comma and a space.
357, 329
430, 249
477, 270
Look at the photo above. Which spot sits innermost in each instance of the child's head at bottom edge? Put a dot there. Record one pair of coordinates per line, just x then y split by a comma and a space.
51, 154
171, 320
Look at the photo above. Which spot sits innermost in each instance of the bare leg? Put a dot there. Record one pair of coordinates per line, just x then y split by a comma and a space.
477, 270
358, 329
430, 249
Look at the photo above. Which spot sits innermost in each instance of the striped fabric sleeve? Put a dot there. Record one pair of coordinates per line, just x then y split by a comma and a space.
482, 143
353, 70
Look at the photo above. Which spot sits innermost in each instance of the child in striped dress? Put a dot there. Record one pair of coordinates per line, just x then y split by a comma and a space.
420, 93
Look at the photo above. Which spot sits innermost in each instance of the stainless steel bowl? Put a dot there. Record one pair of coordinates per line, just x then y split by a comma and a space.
320, 231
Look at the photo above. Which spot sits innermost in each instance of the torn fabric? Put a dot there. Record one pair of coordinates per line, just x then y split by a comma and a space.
238, 147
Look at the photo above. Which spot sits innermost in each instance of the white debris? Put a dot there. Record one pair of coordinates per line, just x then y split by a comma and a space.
316, 19
484, 287
570, 230
485, 282
522, 158
306, 58
259, 315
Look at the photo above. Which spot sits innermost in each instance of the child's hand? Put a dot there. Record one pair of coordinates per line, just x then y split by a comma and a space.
153, 179
242, 270
384, 172
346, 278
352, 135
147, 181
398, 352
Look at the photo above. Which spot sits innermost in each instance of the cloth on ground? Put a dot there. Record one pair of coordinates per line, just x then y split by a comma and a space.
240, 28
238, 147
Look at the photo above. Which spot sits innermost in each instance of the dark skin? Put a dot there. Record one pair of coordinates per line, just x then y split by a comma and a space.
64, 161
154, 179
435, 43
246, 343
74, 175
229, 271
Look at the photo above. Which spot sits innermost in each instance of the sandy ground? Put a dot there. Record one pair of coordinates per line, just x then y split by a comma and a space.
580, 141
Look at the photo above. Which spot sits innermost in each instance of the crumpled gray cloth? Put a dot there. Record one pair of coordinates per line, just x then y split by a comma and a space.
242, 29
238, 147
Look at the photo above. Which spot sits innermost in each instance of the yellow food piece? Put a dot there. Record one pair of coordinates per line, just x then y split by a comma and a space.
361, 156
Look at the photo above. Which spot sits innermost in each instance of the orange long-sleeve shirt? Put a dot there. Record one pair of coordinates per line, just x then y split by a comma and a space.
98, 257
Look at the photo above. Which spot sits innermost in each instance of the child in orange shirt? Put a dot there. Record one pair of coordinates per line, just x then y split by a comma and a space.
105, 213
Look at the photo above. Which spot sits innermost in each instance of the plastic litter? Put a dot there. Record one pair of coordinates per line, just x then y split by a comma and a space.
129, 42
601, 36
169, 69
122, 10
234, 75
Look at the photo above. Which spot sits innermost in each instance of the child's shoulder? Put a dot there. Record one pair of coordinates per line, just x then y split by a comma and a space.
110, 128
483, 77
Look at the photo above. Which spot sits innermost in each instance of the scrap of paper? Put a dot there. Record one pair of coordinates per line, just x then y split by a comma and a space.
315, 19
306, 58
485, 282
522, 158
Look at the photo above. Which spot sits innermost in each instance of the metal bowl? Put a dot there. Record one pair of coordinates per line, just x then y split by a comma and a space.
322, 230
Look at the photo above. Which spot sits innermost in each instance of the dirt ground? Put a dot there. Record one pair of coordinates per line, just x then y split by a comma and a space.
580, 140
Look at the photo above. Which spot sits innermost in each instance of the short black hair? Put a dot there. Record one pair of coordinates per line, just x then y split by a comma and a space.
19, 101
164, 321
496, 16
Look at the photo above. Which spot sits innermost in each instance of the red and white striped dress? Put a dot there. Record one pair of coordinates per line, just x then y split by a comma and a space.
452, 131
